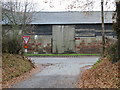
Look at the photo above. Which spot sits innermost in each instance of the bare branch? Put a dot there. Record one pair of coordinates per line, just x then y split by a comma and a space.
16, 12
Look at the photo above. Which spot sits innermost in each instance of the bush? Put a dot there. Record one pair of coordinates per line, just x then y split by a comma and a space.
111, 51
12, 46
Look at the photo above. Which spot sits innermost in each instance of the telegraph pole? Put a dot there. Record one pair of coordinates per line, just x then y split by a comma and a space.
103, 28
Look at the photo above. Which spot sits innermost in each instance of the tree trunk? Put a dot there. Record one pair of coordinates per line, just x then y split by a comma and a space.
118, 47
118, 28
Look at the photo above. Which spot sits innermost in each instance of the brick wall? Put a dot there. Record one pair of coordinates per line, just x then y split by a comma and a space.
88, 45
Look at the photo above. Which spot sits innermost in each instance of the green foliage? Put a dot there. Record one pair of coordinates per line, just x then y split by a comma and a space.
62, 55
97, 63
14, 46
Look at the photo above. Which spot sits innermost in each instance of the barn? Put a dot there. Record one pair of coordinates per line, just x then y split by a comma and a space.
71, 32
68, 32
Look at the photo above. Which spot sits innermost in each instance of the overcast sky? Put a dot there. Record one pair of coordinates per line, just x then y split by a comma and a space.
65, 5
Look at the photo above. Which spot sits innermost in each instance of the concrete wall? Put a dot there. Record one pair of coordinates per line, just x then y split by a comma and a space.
63, 38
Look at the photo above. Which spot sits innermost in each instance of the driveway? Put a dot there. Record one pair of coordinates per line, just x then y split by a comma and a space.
63, 73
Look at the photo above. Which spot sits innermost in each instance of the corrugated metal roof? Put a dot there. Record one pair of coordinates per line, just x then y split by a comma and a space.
70, 17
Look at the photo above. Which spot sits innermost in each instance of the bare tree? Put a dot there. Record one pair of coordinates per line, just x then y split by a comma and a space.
17, 14
85, 5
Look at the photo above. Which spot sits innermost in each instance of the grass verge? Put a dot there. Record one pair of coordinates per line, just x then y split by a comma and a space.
61, 55
96, 64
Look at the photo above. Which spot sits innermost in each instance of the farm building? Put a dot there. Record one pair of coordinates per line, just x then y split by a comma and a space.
78, 32
68, 32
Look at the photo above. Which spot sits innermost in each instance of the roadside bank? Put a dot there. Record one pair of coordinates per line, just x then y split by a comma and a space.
16, 68
103, 74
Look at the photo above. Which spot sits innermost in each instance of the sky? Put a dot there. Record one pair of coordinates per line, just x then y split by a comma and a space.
64, 5
71, 5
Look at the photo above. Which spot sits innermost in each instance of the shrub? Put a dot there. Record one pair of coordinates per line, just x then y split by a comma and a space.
11, 45
111, 51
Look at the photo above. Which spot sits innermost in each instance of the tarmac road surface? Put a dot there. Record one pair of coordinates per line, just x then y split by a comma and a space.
63, 73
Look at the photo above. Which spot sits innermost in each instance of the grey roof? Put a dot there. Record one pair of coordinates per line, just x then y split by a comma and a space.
70, 17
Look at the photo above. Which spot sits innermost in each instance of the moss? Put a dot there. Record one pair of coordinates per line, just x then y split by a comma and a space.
96, 64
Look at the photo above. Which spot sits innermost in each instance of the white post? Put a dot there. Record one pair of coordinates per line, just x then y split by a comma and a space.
25, 50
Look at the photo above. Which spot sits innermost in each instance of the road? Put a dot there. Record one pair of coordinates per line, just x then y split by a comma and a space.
62, 74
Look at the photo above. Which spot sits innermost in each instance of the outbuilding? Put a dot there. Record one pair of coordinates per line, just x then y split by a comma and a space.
67, 32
